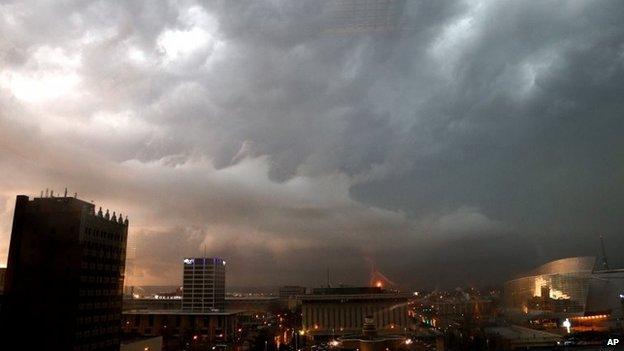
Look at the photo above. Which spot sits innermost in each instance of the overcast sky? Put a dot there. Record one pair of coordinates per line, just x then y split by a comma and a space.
446, 143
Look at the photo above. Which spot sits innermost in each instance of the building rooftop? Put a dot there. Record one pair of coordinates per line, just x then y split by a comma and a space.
65, 203
349, 290
125, 340
183, 312
251, 298
582, 264
381, 296
516, 332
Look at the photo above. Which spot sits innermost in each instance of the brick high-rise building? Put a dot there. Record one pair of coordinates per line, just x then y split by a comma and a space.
64, 280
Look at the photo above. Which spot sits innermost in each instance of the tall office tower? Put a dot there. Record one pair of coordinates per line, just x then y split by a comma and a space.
203, 288
64, 280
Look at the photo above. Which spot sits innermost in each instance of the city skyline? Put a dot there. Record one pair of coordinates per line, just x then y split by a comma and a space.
463, 143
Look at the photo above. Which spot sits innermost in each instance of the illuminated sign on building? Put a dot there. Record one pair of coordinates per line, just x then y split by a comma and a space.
189, 261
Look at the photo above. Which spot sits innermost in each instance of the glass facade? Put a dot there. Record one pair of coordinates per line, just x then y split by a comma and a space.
568, 285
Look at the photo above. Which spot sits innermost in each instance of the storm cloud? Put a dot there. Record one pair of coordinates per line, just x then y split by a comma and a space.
454, 143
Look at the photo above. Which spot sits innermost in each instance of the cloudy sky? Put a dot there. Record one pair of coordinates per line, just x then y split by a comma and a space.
441, 143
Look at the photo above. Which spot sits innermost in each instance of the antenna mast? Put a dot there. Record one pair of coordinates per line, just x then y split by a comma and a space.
605, 263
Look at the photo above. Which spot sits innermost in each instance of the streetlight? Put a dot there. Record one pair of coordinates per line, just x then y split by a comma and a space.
566, 324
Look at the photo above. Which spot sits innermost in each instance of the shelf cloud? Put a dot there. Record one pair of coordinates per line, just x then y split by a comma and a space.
450, 143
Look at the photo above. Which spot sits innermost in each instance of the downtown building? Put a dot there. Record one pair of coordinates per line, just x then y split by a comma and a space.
574, 288
201, 320
203, 284
288, 296
331, 312
291, 291
65, 275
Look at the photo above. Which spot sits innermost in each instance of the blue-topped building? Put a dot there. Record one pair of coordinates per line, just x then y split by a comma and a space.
203, 286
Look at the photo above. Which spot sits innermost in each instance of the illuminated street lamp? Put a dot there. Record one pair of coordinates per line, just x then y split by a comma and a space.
567, 324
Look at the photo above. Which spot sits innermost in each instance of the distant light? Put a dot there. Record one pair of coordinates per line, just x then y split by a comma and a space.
224, 263
334, 343
567, 324
189, 261
408, 341
415, 293
302, 332
379, 284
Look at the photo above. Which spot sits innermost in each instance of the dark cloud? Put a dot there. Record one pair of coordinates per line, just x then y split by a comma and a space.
462, 143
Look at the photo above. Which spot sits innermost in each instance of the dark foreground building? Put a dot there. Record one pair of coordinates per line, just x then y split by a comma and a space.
200, 330
65, 275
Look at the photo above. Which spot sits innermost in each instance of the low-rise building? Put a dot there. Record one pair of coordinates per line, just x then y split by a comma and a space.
142, 344
340, 311
370, 340
251, 307
130, 304
288, 291
179, 326
521, 338
288, 296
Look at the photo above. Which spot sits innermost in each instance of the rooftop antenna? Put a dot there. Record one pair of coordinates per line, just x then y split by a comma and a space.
65, 192
605, 263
